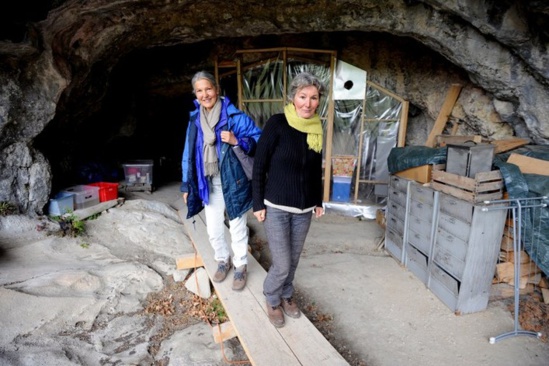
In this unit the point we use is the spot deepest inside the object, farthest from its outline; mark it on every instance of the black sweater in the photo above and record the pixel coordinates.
(286, 172)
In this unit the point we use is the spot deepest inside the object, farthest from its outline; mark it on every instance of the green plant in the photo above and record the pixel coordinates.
(85, 245)
(70, 225)
(7, 208)
(218, 310)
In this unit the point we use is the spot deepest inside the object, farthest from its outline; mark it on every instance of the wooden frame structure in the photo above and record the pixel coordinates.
(401, 139)
(286, 52)
(238, 68)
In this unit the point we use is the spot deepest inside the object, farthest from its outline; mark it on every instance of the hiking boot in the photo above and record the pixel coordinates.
(290, 308)
(276, 317)
(239, 280)
(222, 269)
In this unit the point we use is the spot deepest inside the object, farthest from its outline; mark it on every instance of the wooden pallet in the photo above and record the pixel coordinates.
(485, 186)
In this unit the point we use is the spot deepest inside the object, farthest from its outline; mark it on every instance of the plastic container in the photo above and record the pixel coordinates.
(61, 203)
(343, 165)
(341, 189)
(84, 196)
(138, 172)
(107, 191)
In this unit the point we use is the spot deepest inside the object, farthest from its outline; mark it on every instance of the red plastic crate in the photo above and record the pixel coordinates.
(107, 191)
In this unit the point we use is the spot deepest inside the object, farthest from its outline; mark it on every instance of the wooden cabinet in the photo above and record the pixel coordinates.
(419, 243)
(450, 244)
(396, 214)
(465, 253)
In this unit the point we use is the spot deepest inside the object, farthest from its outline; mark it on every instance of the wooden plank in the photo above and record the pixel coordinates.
(459, 181)
(529, 165)
(255, 336)
(509, 256)
(380, 218)
(523, 281)
(535, 279)
(443, 140)
(489, 186)
(297, 343)
(223, 332)
(508, 144)
(84, 213)
(189, 261)
(420, 174)
(545, 293)
(505, 272)
(507, 244)
(445, 111)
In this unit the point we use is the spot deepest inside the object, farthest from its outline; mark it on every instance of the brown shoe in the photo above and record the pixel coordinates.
(276, 317)
(290, 308)
(222, 269)
(240, 275)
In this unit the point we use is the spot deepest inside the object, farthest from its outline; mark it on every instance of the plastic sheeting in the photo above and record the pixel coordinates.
(402, 158)
(535, 222)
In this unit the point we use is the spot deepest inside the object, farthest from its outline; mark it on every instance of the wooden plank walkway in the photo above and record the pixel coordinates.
(297, 343)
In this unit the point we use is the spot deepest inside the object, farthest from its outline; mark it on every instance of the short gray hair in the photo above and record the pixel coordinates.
(303, 80)
(203, 75)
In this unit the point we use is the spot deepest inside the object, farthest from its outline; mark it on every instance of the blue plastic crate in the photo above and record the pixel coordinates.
(341, 189)
(61, 203)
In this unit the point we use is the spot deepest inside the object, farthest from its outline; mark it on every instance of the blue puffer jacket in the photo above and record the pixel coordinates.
(237, 189)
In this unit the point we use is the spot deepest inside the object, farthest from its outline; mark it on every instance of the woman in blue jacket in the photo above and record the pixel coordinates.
(213, 178)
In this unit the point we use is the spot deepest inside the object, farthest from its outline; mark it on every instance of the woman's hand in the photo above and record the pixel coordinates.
(229, 138)
(185, 195)
(260, 215)
(319, 211)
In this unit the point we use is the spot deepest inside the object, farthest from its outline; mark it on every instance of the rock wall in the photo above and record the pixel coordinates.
(60, 72)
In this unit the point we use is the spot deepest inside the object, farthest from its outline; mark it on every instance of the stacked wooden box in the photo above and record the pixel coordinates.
(530, 274)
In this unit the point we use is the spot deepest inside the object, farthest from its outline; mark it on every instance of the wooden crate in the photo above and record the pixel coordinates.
(485, 186)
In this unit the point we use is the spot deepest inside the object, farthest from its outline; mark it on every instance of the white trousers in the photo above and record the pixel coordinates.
(215, 225)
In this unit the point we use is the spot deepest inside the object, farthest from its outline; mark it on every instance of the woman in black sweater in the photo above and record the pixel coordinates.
(287, 189)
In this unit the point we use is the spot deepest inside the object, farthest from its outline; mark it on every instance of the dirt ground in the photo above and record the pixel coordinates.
(180, 308)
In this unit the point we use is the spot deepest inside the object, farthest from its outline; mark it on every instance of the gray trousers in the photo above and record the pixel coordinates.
(286, 233)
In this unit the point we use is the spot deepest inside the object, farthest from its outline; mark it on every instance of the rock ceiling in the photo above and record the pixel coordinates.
(65, 65)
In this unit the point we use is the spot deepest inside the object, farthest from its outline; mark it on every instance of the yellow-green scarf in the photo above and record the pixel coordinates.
(311, 126)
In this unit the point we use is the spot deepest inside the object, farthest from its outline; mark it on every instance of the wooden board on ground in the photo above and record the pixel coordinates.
(299, 342)
(528, 165)
(189, 261)
(223, 332)
(84, 213)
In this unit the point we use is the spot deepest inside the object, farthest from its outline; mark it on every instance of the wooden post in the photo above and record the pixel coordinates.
(445, 111)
